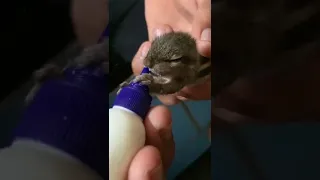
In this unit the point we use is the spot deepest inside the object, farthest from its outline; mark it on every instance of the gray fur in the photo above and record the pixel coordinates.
(174, 62)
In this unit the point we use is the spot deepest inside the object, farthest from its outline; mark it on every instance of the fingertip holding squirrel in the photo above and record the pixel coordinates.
(174, 62)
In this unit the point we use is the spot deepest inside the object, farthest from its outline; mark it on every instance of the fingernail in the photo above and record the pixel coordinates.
(206, 35)
(157, 173)
(144, 51)
(158, 32)
(181, 98)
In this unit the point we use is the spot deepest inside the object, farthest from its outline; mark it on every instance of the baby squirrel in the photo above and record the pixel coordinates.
(174, 62)
(74, 56)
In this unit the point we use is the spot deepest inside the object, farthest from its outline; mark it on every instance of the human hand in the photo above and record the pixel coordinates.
(181, 15)
(152, 161)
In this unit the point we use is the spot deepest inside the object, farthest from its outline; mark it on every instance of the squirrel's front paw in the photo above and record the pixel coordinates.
(145, 79)
(123, 84)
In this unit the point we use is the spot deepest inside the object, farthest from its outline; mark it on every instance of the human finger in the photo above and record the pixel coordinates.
(202, 19)
(196, 92)
(146, 165)
(158, 126)
(137, 62)
(204, 44)
(157, 31)
(169, 100)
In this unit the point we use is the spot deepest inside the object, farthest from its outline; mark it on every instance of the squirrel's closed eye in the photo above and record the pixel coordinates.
(176, 58)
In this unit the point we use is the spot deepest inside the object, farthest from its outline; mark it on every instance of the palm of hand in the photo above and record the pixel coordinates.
(178, 14)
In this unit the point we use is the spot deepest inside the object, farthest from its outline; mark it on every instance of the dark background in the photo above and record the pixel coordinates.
(31, 33)
(34, 31)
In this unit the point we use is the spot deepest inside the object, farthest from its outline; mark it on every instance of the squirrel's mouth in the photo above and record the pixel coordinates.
(153, 72)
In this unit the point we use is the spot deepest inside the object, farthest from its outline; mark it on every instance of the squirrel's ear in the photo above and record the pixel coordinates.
(175, 57)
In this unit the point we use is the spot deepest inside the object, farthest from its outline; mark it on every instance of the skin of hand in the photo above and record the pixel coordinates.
(152, 161)
(193, 17)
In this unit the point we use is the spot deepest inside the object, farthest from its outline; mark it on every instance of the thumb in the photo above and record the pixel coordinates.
(202, 18)
(201, 27)
(204, 44)
(137, 62)
(146, 165)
